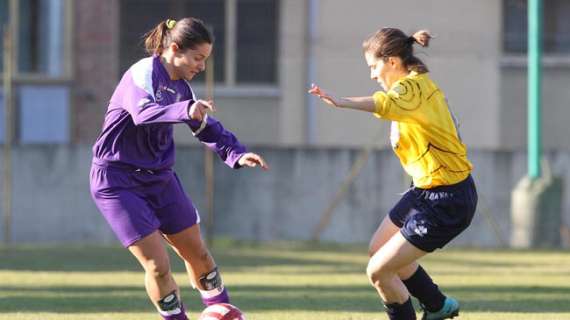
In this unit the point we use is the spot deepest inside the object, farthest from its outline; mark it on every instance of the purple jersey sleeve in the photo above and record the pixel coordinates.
(140, 103)
(221, 141)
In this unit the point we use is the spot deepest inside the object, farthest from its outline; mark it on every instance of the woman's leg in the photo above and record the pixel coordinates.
(382, 270)
(160, 285)
(202, 270)
(385, 264)
(385, 232)
(414, 277)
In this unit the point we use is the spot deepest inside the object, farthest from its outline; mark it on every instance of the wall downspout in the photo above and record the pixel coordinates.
(310, 121)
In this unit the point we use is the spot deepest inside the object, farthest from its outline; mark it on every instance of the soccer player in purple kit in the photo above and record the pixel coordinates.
(131, 179)
(443, 198)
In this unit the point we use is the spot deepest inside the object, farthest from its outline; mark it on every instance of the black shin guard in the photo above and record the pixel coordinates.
(170, 303)
(211, 280)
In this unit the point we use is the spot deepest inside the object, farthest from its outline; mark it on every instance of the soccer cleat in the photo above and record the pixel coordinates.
(449, 310)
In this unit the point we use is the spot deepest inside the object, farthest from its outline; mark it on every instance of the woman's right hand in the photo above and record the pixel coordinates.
(327, 98)
(199, 109)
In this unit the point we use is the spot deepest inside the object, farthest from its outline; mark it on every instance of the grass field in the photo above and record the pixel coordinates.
(278, 282)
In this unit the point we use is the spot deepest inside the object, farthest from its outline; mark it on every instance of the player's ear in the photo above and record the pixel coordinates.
(174, 47)
(394, 62)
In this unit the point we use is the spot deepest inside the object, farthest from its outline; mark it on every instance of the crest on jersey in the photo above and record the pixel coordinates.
(398, 89)
(159, 95)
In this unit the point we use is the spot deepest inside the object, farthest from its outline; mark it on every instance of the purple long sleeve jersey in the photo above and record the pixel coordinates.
(137, 130)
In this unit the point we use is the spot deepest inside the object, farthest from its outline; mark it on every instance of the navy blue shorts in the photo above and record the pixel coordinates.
(431, 218)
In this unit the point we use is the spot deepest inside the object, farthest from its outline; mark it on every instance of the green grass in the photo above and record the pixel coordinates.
(277, 282)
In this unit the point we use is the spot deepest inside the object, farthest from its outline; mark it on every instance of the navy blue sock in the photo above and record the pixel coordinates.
(403, 311)
(421, 286)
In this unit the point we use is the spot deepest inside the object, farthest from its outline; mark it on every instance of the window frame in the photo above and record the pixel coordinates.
(19, 79)
(67, 57)
(230, 87)
(514, 59)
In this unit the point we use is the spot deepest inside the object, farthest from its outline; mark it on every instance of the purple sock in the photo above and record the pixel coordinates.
(421, 286)
(179, 316)
(222, 297)
(403, 311)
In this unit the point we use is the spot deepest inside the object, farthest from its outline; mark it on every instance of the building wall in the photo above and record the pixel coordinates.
(485, 89)
(339, 67)
(555, 109)
(462, 58)
(96, 65)
(52, 203)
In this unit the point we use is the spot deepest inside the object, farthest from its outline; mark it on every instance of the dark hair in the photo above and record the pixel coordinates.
(392, 42)
(187, 33)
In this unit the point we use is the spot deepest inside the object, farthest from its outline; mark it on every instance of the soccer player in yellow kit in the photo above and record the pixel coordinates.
(442, 201)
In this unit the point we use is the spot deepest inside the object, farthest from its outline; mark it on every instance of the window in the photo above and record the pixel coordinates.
(256, 41)
(40, 40)
(245, 49)
(41, 76)
(556, 23)
(40, 37)
(3, 21)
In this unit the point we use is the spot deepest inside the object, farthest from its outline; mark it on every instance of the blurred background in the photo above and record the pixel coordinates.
(333, 176)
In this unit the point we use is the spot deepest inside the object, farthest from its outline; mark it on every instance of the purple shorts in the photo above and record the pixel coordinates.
(136, 202)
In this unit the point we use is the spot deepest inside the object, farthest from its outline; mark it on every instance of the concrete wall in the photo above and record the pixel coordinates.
(52, 202)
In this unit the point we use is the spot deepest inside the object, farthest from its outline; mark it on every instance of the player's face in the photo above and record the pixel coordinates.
(190, 62)
(383, 71)
(377, 69)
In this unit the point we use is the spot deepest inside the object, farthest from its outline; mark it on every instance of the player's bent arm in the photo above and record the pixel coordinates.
(211, 133)
(357, 103)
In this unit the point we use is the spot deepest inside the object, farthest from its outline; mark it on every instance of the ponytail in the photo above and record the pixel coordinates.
(422, 38)
(412, 62)
(154, 40)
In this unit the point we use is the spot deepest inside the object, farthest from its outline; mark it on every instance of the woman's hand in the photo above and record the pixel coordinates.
(199, 109)
(317, 91)
(252, 160)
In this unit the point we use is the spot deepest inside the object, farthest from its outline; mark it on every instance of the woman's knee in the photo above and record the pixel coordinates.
(157, 268)
(378, 272)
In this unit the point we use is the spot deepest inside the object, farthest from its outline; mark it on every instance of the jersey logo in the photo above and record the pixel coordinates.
(159, 95)
(420, 229)
(161, 91)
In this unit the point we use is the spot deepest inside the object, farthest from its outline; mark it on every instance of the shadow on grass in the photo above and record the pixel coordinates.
(98, 299)
(98, 259)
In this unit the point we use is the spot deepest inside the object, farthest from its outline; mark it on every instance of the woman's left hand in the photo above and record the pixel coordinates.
(199, 108)
(252, 160)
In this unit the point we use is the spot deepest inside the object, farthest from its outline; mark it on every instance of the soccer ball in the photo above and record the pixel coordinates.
(221, 311)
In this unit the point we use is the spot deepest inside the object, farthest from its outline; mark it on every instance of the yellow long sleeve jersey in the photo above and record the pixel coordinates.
(424, 132)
